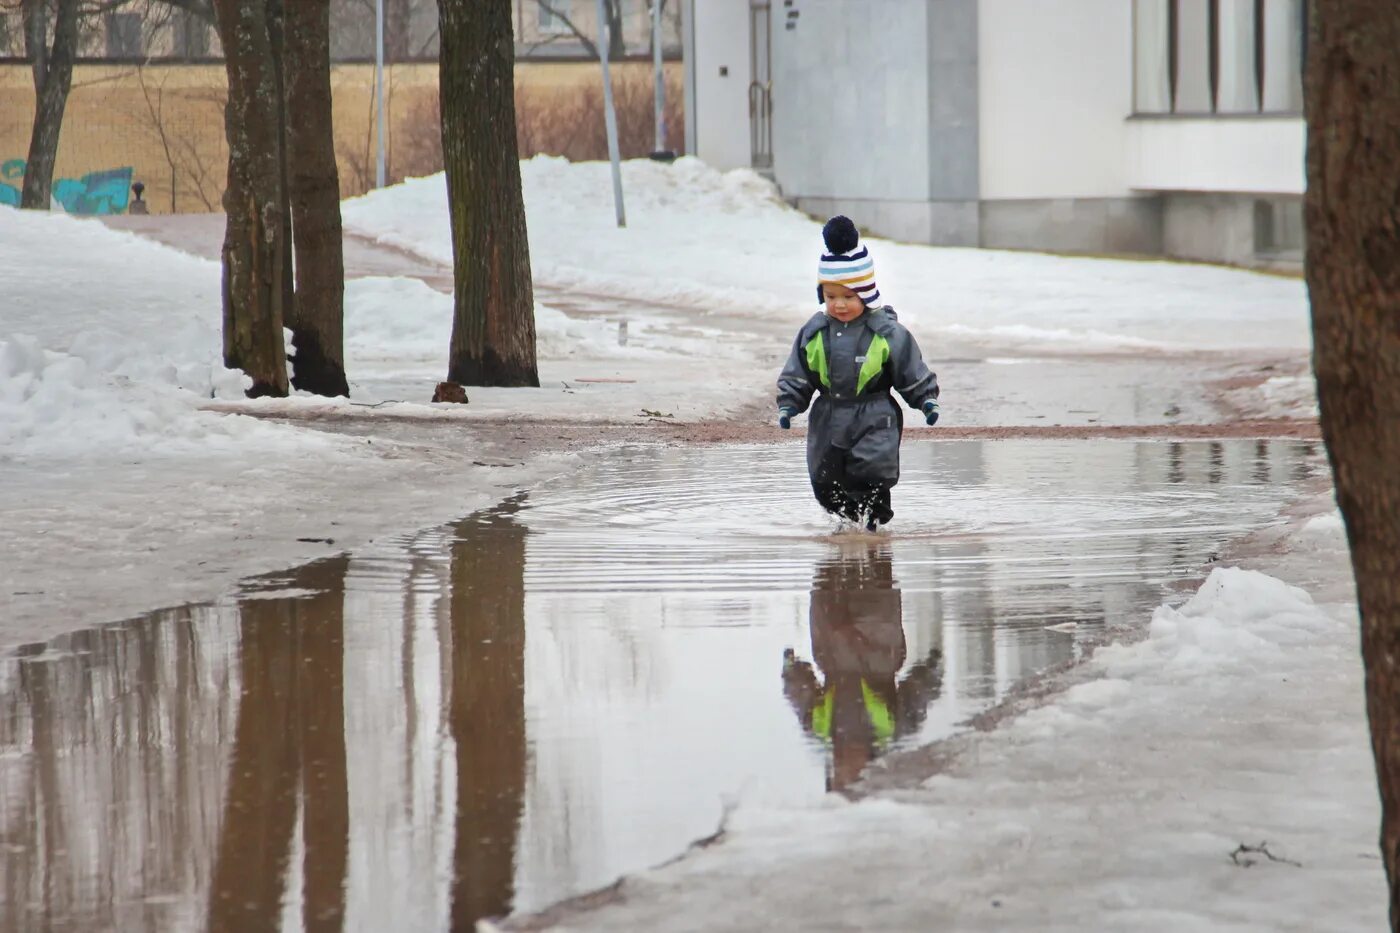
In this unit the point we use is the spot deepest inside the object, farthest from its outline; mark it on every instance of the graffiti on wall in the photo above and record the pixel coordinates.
(104, 192)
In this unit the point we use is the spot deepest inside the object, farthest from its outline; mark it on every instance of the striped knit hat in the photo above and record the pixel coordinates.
(846, 262)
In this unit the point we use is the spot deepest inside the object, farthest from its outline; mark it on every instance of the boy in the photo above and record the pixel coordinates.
(854, 352)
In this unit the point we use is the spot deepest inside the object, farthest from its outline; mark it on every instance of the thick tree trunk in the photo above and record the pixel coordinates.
(493, 326)
(318, 363)
(254, 255)
(1353, 273)
(487, 713)
(53, 77)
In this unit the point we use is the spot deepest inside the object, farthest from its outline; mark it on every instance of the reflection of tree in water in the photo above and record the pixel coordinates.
(487, 711)
(858, 703)
(289, 744)
(108, 740)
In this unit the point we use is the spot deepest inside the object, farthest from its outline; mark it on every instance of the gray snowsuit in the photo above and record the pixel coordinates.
(854, 430)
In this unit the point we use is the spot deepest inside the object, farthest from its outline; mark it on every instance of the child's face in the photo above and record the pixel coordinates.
(841, 303)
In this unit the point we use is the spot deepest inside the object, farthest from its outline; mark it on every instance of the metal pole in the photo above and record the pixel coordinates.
(379, 90)
(688, 68)
(656, 64)
(609, 114)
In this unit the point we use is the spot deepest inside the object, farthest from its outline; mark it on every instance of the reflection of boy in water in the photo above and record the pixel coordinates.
(858, 642)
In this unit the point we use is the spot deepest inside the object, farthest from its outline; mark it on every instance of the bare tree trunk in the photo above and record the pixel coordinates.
(1353, 273)
(318, 363)
(254, 255)
(493, 325)
(53, 77)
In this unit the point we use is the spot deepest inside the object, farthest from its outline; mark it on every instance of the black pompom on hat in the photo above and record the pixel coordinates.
(840, 234)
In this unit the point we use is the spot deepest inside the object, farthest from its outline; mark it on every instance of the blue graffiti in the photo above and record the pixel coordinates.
(104, 192)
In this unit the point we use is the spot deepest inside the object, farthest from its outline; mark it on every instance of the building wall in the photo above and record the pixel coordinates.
(875, 115)
(1055, 84)
(722, 76)
(1237, 154)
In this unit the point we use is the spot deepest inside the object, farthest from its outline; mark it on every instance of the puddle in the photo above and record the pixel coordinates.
(520, 706)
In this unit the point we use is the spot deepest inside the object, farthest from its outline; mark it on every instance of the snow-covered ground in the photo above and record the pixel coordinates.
(118, 452)
(131, 478)
(1215, 775)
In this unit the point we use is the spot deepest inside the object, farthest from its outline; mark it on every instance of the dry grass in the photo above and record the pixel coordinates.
(565, 122)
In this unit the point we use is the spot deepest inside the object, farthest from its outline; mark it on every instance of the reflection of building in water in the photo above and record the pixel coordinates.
(855, 699)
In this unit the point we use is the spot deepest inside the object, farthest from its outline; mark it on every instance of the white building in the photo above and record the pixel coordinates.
(1147, 126)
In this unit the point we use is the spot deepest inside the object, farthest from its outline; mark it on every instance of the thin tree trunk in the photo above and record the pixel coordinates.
(318, 363)
(1353, 273)
(254, 256)
(53, 77)
(493, 325)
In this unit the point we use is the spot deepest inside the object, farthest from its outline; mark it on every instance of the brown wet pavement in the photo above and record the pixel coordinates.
(521, 706)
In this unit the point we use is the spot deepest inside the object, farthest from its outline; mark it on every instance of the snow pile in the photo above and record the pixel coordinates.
(1237, 618)
(725, 241)
(110, 343)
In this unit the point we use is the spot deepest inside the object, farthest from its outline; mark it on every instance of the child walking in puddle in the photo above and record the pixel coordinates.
(851, 355)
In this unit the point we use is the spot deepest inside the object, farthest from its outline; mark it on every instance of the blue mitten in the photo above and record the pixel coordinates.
(785, 418)
(930, 412)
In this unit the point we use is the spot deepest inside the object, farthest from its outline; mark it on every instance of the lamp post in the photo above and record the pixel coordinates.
(610, 115)
(657, 66)
(379, 90)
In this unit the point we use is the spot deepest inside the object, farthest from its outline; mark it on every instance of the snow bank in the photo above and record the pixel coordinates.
(710, 240)
(109, 344)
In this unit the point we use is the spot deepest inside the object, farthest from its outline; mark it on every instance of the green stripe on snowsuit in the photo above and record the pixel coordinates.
(875, 359)
(876, 710)
(816, 360)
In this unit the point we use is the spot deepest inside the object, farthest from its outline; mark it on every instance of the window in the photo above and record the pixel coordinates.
(1199, 57)
(123, 35)
(552, 13)
(1283, 30)
(1193, 56)
(1152, 89)
(1278, 226)
(191, 36)
(1237, 84)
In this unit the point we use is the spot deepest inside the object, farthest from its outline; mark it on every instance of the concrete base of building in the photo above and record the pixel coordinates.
(1074, 225)
(1259, 231)
(1250, 230)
